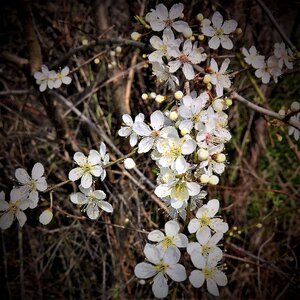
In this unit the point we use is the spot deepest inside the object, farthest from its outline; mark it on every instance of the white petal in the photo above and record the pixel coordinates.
(193, 246)
(203, 235)
(174, 65)
(6, 220)
(3, 205)
(21, 217)
(94, 157)
(144, 270)
(145, 145)
(214, 42)
(188, 71)
(172, 228)
(75, 174)
(141, 129)
(96, 170)
(105, 206)
(216, 238)
(37, 171)
(193, 188)
(160, 286)
(78, 198)
(162, 190)
(226, 42)
(161, 12)
(41, 184)
(86, 180)
(181, 240)
(133, 139)
(213, 207)
(176, 11)
(156, 42)
(33, 199)
(171, 255)
(214, 65)
(102, 150)
(197, 278)
(66, 80)
(188, 147)
(22, 175)
(218, 225)
(198, 259)
(2, 196)
(92, 211)
(221, 278)
(99, 194)
(176, 272)
(156, 236)
(212, 287)
(127, 120)
(46, 216)
(208, 31)
(193, 225)
(157, 120)
(217, 19)
(180, 26)
(124, 131)
(229, 26)
(224, 65)
(65, 71)
(180, 164)
(80, 158)
(152, 253)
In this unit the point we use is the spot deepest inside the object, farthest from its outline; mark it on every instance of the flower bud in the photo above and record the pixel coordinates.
(203, 154)
(96, 61)
(178, 95)
(129, 163)
(206, 79)
(239, 31)
(173, 115)
(160, 98)
(282, 112)
(209, 86)
(204, 178)
(213, 180)
(135, 36)
(218, 105)
(184, 131)
(85, 42)
(144, 56)
(220, 157)
(187, 33)
(112, 53)
(228, 102)
(118, 49)
(201, 37)
(199, 17)
(46, 216)
(144, 96)
(295, 106)
(153, 95)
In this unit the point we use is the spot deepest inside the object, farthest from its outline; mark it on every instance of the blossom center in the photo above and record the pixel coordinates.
(15, 206)
(206, 249)
(168, 22)
(219, 32)
(31, 185)
(204, 220)
(184, 58)
(167, 242)
(208, 272)
(86, 168)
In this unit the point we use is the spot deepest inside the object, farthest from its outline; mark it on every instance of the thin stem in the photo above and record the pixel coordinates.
(120, 159)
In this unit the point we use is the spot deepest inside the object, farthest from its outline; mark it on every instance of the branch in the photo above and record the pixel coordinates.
(262, 110)
(275, 23)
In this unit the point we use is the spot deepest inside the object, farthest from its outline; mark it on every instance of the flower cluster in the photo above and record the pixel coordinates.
(187, 143)
(295, 110)
(89, 169)
(52, 79)
(24, 195)
(271, 67)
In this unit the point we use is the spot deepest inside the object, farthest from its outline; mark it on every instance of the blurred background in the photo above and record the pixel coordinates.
(77, 258)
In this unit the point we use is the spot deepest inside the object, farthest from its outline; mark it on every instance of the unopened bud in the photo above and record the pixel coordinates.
(203, 154)
(144, 56)
(112, 53)
(220, 157)
(96, 61)
(201, 37)
(184, 131)
(204, 178)
(129, 163)
(228, 102)
(46, 216)
(160, 98)
(199, 17)
(118, 49)
(153, 95)
(213, 180)
(173, 115)
(178, 95)
(207, 79)
(187, 33)
(209, 86)
(239, 31)
(85, 42)
(114, 63)
(135, 36)
(144, 96)
(218, 105)
(282, 112)
(295, 106)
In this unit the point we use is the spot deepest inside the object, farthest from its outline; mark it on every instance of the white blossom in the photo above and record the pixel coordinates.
(292, 130)
(284, 55)
(62, 77)
(126, 131)
(160, 18)
(31, 185)
(163, 74)
(189, 55)
(13, 209)
(219, 78)
(46, 216)
(45, 78)
(253, 59)
(272, 69)
(218, 31)
(161, 264)
(91, 201)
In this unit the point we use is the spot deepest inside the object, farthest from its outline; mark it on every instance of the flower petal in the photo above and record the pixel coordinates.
(171, 255)
(193, 225)
(104, 205)
(144, 270)
(214, 42)
(197, 278)
(37, 171)
(203, 235)
(6, 220)
(212, 287)
(156, 236)
(86, 180)
(176, 272)
(75, 174)
(80, 158)
(160, 286)
(172, 228)
(217, 19)
(229, 26)
(22, 175)
(94, 157)
(21, 217)
(152, 253)
(41, 184)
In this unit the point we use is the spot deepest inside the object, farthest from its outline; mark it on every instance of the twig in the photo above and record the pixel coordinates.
(277, 26)
(262, 110)
(20, 239)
